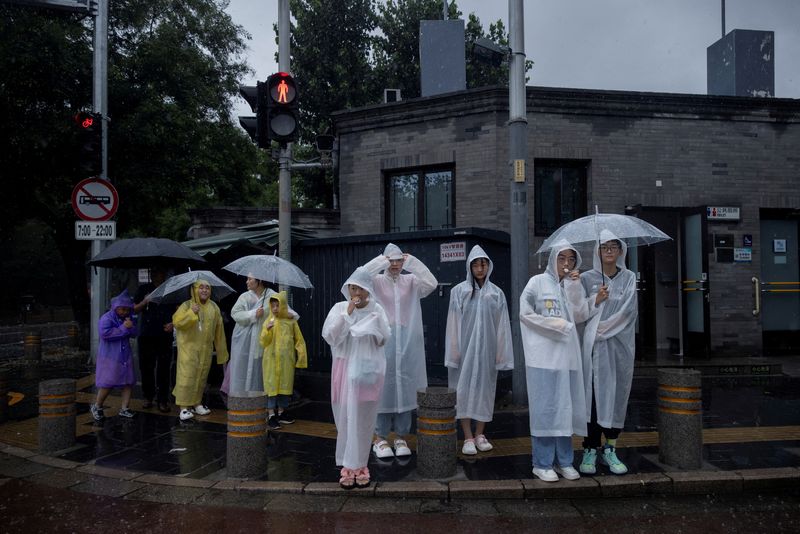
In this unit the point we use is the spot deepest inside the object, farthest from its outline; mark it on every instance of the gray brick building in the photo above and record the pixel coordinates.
(678, 161)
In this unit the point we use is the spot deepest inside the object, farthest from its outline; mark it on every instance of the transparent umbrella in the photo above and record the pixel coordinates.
(273, 269)
(586, 231)
(177, 288)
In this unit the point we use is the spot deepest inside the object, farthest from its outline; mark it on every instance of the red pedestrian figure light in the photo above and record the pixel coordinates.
(283, 92)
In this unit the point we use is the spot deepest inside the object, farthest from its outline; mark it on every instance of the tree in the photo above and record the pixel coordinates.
(173, 70)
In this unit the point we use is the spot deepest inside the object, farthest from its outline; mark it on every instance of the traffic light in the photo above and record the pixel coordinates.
(90, 139)
(256, 126)
(282, 106)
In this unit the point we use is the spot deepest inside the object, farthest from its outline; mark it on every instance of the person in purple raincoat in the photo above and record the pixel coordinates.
(114, 355)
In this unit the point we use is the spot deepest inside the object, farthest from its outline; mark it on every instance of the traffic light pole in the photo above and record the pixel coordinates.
(284, 174)
(99, 278)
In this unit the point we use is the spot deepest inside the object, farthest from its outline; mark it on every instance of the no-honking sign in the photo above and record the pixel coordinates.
(95, 199)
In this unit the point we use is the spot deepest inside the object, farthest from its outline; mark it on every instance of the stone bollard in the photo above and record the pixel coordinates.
(33, 346)
(56, 414)
(247, 435)
(680, 424)
(436, 432)
(73, 335)
(3, 395)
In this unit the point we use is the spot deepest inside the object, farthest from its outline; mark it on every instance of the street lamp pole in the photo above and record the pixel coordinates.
(285, 158)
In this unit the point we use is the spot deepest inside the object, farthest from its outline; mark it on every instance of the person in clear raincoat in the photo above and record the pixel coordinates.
(478, 344)
(284, 349)
(356, 330)
(199, 331)
(400, 296)
(610, 312)
(554, 364)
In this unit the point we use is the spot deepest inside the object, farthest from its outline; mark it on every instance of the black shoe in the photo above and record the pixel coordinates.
(285, 419)
(273, 423)
(163, 407)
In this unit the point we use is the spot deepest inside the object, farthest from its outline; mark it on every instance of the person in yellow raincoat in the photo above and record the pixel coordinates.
(199, 330)
(284, 349)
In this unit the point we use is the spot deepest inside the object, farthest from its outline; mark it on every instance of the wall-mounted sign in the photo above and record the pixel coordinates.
(779, 246)
(747, 240)
(743, 255)
(453, 251)
(722, 213)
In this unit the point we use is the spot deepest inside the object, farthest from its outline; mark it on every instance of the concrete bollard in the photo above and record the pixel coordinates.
(247, 435)
(680, 423)
(33, 346)
(436, 432)
(3, 395)
(73, 335)
(56, 414)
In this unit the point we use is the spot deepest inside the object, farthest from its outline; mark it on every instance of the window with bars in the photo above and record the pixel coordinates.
(560, 193)
(420, 200)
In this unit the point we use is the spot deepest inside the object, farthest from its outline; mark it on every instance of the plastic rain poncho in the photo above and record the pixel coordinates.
(405, 350)
(244, 369)
(553, 359)
(478, 342)
(357, 372)
(284, 349)
(114, 367)
(198, 334)
(609, 337)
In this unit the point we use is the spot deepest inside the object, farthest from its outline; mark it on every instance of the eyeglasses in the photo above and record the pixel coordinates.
(609, 248)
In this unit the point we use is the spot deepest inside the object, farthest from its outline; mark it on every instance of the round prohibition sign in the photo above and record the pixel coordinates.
(95, 199)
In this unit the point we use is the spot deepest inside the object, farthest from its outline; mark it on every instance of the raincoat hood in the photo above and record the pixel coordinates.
(605, 237)
(196, 285)
(123, 300)
(360, 278)
(474, 254)
(283, 305)
(558, 247)
(393, 252)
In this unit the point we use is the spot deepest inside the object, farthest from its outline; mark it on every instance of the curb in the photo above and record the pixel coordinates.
(631, 485)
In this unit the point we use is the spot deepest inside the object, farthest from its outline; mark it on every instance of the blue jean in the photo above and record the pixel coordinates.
(278, 401)
(551, 449)
(400, 422)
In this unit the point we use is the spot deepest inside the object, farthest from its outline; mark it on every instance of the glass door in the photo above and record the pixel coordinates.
(694, 283)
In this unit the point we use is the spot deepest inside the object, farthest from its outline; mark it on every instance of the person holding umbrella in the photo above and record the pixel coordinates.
(610, 313)
(199, 330)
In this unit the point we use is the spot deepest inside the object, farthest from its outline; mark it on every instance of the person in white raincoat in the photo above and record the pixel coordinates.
(610, 312)
(400, 295)
(356, 331)
(553, 364)
(478, 345)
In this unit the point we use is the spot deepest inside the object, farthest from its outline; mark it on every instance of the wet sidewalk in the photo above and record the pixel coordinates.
(751, 441)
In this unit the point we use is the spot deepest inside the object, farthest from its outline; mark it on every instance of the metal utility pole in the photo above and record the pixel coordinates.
(285, 158)
(517, 152)
(99, 278)
(723, 17)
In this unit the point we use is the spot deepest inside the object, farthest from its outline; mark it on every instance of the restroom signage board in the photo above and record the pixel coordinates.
(722, 213)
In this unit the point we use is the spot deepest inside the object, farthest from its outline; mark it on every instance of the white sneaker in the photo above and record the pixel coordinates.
(483, 444)
(401, 448)
(547, 475)
(185, 415)
(568, 472)
(382, 449)
(201, 410)
(469, 447)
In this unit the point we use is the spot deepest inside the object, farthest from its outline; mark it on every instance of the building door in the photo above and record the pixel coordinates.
(694, 283)
(780, 281)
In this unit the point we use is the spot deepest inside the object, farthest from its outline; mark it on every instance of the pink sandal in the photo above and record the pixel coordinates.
(362, 477)
(347, 478)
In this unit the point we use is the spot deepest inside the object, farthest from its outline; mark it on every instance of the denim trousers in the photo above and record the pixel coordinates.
(552, 450)
(400, 422)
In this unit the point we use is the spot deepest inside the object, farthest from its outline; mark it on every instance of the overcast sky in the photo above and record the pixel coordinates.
(634, 45)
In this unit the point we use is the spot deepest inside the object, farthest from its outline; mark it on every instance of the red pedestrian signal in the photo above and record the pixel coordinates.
(90, 141)
(283, 114)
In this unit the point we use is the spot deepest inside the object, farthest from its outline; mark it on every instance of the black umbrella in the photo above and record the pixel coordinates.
(144, 252)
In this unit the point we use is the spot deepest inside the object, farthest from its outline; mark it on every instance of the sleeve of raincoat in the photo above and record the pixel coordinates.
(266, 335)
(452, 349)
(220, 343)
(426, 282)
(240, 312)
(112, 332)
(376, 265)
(337, 325)
(300, 347)
(376, 324)
(504, 359)
(552, 327)
(581, 306)
(616, 322)
(184, 318)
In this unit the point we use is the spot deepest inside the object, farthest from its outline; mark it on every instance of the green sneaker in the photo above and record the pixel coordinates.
(589, 463)
(609, 458)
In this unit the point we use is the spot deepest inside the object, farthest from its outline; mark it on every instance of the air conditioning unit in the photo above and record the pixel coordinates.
(391, 95)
